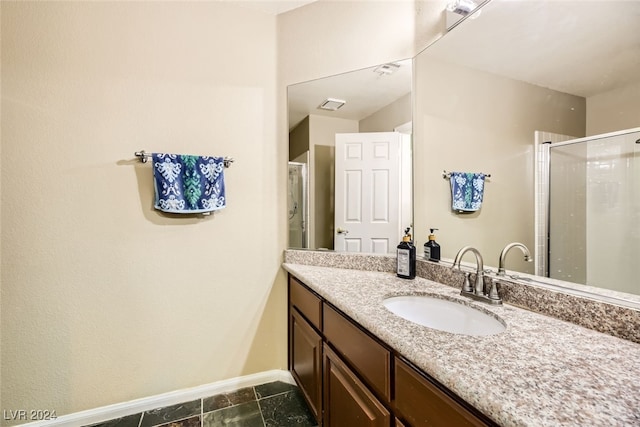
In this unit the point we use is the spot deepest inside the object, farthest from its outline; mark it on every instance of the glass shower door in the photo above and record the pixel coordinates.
(594, 211)
(297, 205)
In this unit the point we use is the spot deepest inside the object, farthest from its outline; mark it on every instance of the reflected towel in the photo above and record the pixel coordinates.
(467, 191)
(188, 184)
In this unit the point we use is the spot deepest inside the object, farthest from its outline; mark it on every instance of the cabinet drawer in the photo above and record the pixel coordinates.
(421, 403)
(306, 302)
(348, 402)
(366, 356)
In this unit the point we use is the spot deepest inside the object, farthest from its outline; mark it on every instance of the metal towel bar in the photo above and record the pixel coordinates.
(447, 175)
(144, 156)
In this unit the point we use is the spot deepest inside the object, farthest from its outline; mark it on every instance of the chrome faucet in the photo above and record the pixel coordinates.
(503, 255)
(477, 292)
(479, 287)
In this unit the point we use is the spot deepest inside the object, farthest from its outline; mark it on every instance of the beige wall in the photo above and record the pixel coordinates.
(104, 299)
(299, 139)
(614, 110)
(94, 310)
(388, 118)
(473, 121)
(335, 36)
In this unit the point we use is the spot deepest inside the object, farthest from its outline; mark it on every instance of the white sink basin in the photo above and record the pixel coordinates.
(444, 315)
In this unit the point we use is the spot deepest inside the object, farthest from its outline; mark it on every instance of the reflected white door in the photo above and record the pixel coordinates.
(368, 192)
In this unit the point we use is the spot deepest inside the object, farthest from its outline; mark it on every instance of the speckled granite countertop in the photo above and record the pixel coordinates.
(539, 372)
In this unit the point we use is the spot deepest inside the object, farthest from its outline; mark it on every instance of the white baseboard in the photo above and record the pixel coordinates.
(120, 410)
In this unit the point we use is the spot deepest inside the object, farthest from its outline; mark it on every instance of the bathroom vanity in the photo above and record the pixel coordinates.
(359, 364)
(337, 362)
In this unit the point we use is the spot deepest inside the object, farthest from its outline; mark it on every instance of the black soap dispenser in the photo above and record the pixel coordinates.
(431, 248)
(406, 257)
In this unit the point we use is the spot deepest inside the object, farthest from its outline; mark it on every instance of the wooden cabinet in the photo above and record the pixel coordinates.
(347, 400)
(307, 303)
(306, 361)
(419, 402)
(370, 359)
(305, 344)
(352, 379)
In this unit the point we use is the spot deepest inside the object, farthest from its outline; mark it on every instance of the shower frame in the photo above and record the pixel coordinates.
(543, 143)
(304, 202)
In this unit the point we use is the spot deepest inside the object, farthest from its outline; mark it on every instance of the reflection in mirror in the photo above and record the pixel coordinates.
(598, 225)
(350, 160)
(493, 90)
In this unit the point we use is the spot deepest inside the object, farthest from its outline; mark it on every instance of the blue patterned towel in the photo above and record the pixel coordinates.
(188, 184)
(466, 191)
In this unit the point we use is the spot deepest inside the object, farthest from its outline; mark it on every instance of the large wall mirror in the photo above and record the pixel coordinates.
(487, 96)
(349, 185)
(493, 95)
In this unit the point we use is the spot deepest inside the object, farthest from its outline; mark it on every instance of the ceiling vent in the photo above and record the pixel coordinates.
(386, 69)
(331, 104)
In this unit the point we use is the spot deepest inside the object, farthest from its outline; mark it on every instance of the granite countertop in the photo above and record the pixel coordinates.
(540, 371)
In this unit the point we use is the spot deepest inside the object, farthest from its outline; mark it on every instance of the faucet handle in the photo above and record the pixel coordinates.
(466, 286)
(493, 292)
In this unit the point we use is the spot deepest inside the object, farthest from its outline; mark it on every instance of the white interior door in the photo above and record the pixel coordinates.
(368, 192)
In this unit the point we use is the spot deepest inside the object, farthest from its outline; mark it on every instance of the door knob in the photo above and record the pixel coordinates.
(342, 231)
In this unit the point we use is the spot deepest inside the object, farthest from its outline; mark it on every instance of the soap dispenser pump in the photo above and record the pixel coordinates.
(431, 248)
(406, 257)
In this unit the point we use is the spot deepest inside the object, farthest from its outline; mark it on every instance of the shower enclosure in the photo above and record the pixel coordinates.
(593, 210)
(297, 205)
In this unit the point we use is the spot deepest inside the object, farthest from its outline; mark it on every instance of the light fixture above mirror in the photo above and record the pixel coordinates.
(457, 10)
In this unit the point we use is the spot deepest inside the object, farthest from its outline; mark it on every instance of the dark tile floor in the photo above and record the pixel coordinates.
(275, 404)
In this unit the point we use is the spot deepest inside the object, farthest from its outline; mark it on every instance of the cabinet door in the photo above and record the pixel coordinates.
(305, 358)
(364, 354)
(420, 403)
(347, 402)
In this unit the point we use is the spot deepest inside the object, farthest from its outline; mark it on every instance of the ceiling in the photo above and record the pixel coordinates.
(589, 42)
(577, 47)
(272, 7)
(365, 92)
